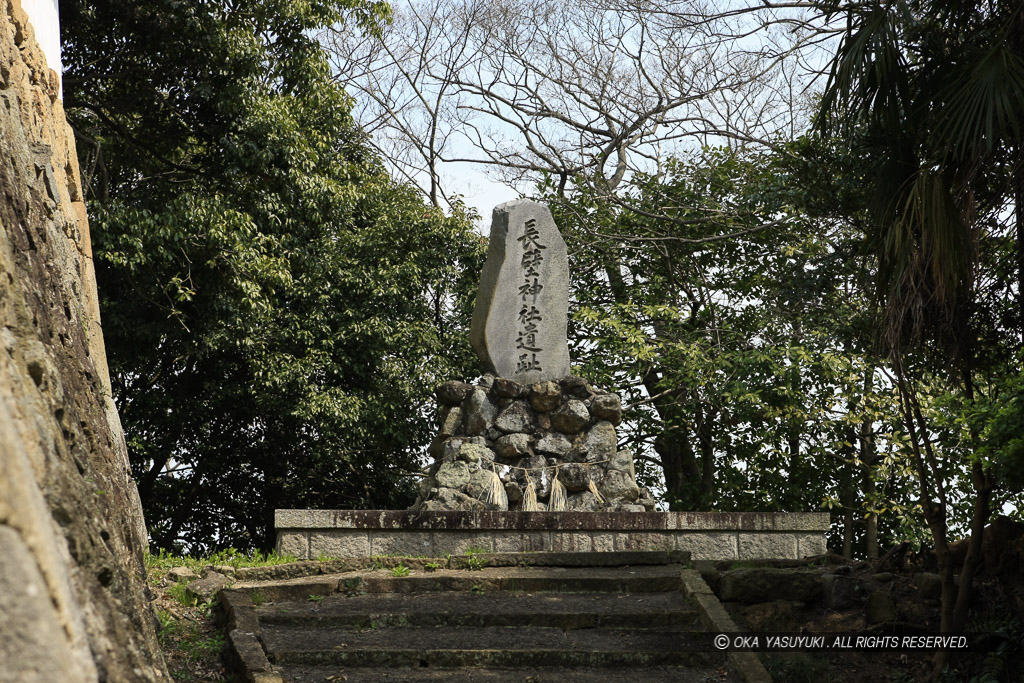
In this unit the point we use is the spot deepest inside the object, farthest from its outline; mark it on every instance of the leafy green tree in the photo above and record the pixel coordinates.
(937, 87)
(739, 330)
(276, 308)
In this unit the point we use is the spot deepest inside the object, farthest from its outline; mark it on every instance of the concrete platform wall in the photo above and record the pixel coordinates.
(312, 534)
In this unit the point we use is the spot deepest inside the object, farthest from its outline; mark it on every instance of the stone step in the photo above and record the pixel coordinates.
(631, 579)
(553, 610)
(576, 559)
(309, 569)
(489, 647)
(530, 619)
(640, 579)
(651, 674)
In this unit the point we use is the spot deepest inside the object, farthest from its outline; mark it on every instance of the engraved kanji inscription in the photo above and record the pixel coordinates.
(519, 323)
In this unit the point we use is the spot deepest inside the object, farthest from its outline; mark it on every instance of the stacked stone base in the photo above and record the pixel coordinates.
(530, 437)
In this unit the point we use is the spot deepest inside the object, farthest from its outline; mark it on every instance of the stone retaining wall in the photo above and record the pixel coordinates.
(73, 603)
(310, 534)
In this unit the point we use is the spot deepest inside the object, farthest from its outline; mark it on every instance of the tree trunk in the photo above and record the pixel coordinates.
(1018, 196)
(871, 533)
(794, 429)
(935, 514)
(682, 475)
(706, 443)
(674, 446)
(848, 516)
(847, 493)
(869, 456)
(979, 518)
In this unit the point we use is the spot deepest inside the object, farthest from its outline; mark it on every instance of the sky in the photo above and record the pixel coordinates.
(479, 191)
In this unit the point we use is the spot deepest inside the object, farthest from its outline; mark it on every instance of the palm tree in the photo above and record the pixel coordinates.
(935, 91)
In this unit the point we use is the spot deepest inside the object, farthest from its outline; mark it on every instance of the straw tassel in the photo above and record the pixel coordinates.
(557, 501)
(495, 493)
(529, 503)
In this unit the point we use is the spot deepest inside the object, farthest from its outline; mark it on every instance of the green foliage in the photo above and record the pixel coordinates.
(997, 418)
(731, 299)
(399, 571)
(163, 560)
(276, 309)
(933, 91)
(474, 563)
(352, 587)
(272, 300)
(725, 298)
(191, 644)
(164, 618)
(179, 593)
(190, 640)
(998, 635)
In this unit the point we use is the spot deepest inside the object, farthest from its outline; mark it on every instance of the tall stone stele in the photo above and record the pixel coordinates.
(522, 306)
(506, 441)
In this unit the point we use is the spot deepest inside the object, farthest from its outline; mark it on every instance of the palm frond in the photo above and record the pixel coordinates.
(868, 76)
(983, 104)
(925, 261)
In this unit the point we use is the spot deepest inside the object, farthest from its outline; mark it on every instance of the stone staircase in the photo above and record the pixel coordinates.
(532, 617)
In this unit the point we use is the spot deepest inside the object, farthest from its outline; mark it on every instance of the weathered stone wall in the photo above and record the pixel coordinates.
(72, 584)
(309, 534)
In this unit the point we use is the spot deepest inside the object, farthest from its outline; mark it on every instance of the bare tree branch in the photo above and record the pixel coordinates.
(592, 91)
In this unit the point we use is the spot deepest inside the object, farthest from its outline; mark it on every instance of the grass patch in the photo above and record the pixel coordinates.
(191, 640)
(188, 634)
(798, 667)
(747, 564)
(258, 597)
(230, 557)
(179, 593)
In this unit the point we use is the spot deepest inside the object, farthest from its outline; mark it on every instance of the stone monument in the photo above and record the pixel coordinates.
(529, 436)
(522, 305)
